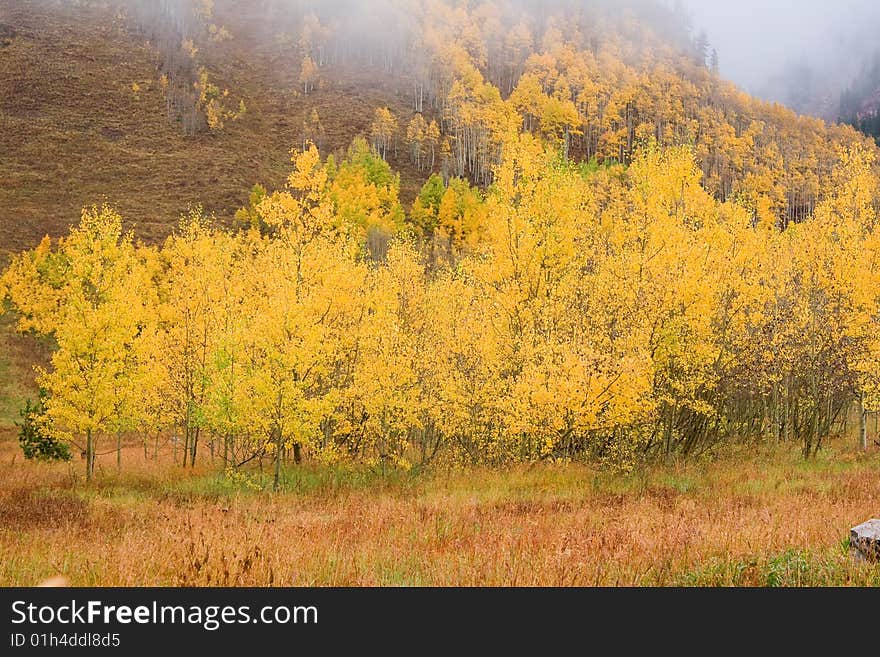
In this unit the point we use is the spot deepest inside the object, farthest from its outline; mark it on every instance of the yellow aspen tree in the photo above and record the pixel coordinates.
(309, 74)
(415, 138)
(386, 381)
(96, 318)
(197, 260)
(293, 345)
(383, 131)
(448, 219)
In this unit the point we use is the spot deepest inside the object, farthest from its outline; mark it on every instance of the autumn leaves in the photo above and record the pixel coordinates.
(611, 314)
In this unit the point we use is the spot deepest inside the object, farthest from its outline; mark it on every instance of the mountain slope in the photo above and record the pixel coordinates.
(84, 113)
(74, 132)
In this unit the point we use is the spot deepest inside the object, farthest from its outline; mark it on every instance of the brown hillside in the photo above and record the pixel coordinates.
(74, 132)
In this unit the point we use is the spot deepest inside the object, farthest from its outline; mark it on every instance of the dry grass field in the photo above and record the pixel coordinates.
(743, 520)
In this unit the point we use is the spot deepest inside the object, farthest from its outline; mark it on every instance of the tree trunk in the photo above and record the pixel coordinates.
(775, 415)
(118, 451)
(863, 424)
(195, 444)
(277, 481)
(90, 456)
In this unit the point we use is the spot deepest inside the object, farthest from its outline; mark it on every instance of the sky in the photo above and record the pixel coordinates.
(758, 40)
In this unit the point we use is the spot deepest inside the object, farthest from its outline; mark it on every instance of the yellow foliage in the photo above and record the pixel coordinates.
(610, 312)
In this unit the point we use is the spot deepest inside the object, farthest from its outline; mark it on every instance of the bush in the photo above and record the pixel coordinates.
(35, 441)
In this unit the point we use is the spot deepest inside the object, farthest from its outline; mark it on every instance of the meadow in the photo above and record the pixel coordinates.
(748, 517)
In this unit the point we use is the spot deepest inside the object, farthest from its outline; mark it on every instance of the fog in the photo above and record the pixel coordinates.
(799, 52)
(802, 53)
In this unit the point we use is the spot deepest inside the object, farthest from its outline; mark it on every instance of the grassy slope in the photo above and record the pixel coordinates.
(747, 519)
(72, 131)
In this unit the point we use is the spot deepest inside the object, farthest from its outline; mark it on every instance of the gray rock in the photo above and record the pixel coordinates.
(865, 538)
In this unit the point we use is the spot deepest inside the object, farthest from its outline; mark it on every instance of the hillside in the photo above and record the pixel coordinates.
(73, 132)
(83, 112)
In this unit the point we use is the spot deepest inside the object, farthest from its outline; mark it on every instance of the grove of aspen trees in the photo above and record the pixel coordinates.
(616, 255)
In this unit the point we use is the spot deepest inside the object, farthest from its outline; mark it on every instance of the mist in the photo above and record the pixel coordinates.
(802, 53)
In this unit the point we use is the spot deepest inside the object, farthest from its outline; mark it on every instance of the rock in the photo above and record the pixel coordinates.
(865, 539)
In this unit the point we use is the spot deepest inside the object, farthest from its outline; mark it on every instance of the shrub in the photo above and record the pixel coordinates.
(36, 442)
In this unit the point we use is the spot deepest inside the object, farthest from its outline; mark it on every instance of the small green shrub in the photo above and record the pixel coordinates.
(35, 441)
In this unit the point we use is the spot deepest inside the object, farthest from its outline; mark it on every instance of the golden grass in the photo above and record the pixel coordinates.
(742, 520)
